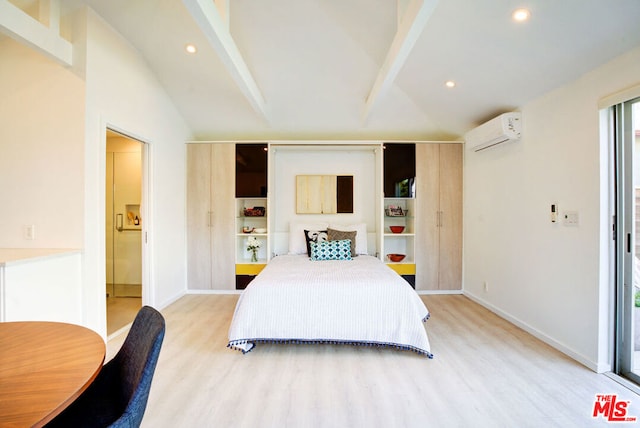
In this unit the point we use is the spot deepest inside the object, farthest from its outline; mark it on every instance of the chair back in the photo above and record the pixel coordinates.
(137, 359)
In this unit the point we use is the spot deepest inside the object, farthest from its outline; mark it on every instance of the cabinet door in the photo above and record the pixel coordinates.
(222, 218)
(427, 231)
(198, 216)
(450, 201)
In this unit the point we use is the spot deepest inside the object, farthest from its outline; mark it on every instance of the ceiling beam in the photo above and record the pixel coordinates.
(223, 9)
(401, 7)
(414, 19)
(21, 27)
(49, 14)
(212, 24)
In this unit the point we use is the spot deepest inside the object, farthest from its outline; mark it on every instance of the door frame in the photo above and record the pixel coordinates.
(145, 211)
(624, 260)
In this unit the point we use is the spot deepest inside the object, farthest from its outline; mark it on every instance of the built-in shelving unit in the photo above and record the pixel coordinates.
(399, 208)
(251, 210)
(402, 242)
(251, 224)
(428, 194)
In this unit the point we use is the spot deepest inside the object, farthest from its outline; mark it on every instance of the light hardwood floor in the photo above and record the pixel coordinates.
(486, 373)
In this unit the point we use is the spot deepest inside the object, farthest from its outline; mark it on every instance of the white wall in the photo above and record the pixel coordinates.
(42, 146)
(288, 162)
(124, 94)
(52, 166)
(548, 278)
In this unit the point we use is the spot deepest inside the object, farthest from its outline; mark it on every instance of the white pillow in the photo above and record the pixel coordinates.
(361, 236)
(297, 241)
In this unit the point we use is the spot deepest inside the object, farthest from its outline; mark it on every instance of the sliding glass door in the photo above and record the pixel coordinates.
(627, 146)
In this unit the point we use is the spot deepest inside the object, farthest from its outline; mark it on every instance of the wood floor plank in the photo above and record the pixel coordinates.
(486, 373)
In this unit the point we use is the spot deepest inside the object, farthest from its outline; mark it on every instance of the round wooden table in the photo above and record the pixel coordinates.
(44, 367)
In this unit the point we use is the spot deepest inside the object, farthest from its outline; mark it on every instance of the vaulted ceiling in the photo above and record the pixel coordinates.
(330, 69)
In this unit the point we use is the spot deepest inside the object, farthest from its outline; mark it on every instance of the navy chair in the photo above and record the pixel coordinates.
(118, 396)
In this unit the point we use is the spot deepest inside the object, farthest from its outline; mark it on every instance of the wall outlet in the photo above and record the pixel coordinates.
(571, 218)
(29, 232)
(485, 286)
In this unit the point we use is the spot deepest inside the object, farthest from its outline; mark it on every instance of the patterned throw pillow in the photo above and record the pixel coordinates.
(331, 250)
(314, 236)
(338, 235)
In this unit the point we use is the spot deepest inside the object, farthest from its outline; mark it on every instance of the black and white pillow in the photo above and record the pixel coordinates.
(314, 236)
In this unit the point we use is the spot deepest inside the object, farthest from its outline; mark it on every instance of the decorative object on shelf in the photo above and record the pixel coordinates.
(259, 230)
(254, 212)
(395, 211)
(396, 229)
(253, 245)
(247, 229)
(396, 257)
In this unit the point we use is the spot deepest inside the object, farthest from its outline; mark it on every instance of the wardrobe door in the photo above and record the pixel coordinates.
(198, 216)
(450, 202)
(211, 216)
(427, 216)
(223, 216)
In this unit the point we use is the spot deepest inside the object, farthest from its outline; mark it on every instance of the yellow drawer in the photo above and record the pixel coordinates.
(249, 268)
(403, 268)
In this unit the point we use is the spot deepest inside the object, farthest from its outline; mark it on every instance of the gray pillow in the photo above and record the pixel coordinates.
(339, 235)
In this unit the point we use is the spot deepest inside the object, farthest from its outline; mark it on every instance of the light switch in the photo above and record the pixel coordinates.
(554, 213)
(29, 232)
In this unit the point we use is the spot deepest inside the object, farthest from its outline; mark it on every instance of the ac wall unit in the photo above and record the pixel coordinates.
(502, 129)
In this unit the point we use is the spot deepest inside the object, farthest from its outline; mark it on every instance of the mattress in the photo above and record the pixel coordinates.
(357, 302)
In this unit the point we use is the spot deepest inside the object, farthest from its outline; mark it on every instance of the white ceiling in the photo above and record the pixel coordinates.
(315, 62)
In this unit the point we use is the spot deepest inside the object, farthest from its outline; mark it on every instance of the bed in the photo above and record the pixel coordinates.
(358, 302)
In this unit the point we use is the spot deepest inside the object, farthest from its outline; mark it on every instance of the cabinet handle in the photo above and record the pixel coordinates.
(441, 218)
(119, 222)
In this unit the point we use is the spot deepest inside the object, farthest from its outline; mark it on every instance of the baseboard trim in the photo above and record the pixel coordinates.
(170, 300)
(214, 292)
(426, 292)
(120, 331)
(592, 365)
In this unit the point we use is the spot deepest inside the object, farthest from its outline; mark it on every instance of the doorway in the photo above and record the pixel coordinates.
(626, 131)
(123, 229)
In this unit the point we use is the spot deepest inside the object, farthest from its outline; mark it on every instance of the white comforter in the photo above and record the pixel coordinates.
(360, 302)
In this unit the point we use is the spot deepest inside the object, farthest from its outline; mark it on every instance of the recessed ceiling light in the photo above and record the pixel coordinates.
(450, 84)
(521, 15)
(190, 48)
